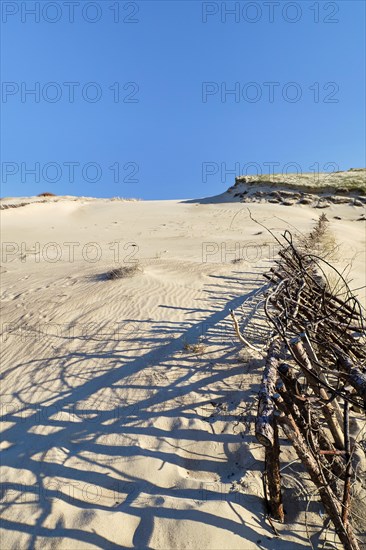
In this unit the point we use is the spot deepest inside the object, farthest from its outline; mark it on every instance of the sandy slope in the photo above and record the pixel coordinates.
(114, 434)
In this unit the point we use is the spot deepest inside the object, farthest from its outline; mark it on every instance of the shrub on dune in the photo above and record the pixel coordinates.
(123, 272)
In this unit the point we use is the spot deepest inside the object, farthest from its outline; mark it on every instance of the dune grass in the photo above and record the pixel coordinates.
(123, 272)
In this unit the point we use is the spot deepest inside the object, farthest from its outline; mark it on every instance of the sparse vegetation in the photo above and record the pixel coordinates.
(46, 194)
(123, 272)
(124, 199)
(320, 240)
(197, 348)
(349, 181)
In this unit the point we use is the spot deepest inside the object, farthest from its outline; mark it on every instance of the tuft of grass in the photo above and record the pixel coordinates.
(123, 272)
(46, 194)
(198, 348)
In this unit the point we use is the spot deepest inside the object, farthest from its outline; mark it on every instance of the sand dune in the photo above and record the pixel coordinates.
(116, 433)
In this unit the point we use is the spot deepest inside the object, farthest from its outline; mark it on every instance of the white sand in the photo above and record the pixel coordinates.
(110, 438)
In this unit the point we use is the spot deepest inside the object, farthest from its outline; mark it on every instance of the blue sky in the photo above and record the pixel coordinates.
(147, 112)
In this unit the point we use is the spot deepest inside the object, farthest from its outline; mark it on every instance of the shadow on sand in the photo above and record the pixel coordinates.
(74, 423)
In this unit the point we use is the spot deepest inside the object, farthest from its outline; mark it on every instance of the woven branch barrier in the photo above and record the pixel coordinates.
(314, 376)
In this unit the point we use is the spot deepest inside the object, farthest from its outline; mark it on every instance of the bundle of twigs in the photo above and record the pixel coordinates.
(314, 377)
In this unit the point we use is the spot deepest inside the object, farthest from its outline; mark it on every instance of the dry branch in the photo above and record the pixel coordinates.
(264, 423)
(333, 508)
(273, 476)
(355, 377)
(266, 430)
(328, 410)
(324, 335)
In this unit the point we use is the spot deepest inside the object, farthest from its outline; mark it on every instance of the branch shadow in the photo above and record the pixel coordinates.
(97, 425)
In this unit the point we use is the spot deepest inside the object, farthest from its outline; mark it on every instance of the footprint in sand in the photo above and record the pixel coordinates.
(8, 296)
(62, 298)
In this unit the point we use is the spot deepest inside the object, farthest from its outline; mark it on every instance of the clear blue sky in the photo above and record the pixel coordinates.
(171, 135)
